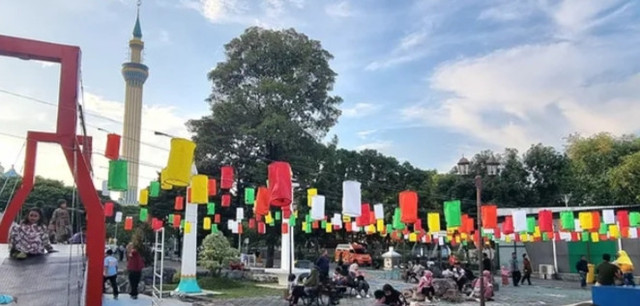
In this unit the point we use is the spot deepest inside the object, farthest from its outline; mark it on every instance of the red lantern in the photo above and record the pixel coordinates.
(545, 221)
(286, 212)
(408, 206)
(216, 218)
(315, 225)
(108, 209)
(556, 236)
(280, 187)
(262, 201)
(262, 228)
(489, 216)
(252, 223)
(189, 195)
(285, 228)
(226, 200)
(347, 227)
(179, 203)
(574, 236)
(128, 223)
(212, 187)
(595, 221)
(623, 218)
(365, 216)
(226, 177)
(240, 228)
(176, 220)
(507, 225)
(418, 225)
(112, 152)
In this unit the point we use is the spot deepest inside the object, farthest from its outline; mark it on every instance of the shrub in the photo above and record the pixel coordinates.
(216, 253)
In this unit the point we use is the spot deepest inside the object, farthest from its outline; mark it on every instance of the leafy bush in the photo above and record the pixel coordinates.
(216, 253)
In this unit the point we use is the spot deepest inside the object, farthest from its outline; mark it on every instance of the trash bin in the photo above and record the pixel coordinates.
(591, 275)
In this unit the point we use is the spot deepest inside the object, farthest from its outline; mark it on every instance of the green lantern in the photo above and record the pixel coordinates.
(278, 215)
(531, 224)
(545, 236)
(323, 224)
(118, 175)
(154, 189)
(604, 229)
(452, 213)
(170, 220)
(211, 208)
(214, 228)
(585, 236)
(292, 220)
(567, 221)
(397, 223)
(249, 196)
(634, 219)
(144, 214)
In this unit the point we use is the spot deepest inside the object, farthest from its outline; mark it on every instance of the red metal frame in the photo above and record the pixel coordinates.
(76, 154)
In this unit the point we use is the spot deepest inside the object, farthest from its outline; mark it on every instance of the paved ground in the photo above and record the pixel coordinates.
(542, 292)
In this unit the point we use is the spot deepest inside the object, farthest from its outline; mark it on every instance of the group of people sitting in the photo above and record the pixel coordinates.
(466, 282)
(342, 280)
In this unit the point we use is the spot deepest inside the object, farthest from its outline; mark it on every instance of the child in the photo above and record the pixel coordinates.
(111, 273)
(30, 237)
(425, 286)
(379, 297)
(505, 275)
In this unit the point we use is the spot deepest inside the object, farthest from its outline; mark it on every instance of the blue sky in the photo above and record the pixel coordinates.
(424, 81)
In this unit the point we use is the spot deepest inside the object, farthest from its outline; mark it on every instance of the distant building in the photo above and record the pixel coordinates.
(9, 174)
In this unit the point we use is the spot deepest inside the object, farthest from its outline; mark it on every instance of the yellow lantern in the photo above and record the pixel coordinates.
(163, 185)
(178, 171)
(413, 237)
(187, 227)
(329, 227)
(595, 237)
(371, 229)
(614, 232)
(144, 197)
(206, 224)
(433, 222)
(268, 218)
(507, 239)
(380, 225)
(200, 189)
(310, 193)
(346, 219)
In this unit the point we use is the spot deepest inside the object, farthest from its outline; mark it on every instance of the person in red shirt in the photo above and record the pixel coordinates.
(135, 264)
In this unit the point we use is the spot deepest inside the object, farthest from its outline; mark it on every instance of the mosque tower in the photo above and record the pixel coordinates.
(135, 74)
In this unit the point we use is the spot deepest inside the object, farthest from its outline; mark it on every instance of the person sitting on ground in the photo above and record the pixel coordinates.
(339, 278)
(360, 284)
(488, 286)
(607, 272)
(79, 237)
(459, 276)
(392, 296)
(30, 237)
(379, 298)
(425, 286)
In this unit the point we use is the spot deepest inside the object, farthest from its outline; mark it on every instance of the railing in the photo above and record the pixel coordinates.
(158, 250)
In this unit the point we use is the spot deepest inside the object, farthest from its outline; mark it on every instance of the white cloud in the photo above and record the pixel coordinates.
(25, 115)
(164, 38)
(382, 146)
(365, 134)
(360, 110)
(575, 17)
(269, 13)
(510, 10)
(340, 9)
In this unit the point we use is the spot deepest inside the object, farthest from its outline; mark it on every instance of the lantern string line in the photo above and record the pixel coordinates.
(88, 113)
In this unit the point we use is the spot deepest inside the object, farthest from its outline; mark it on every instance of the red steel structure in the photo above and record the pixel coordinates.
(76, 149)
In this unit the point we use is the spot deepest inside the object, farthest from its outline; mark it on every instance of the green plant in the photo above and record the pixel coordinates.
(217, 253)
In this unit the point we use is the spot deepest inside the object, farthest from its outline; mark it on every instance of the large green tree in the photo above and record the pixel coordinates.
(270, 101)
(549, 174)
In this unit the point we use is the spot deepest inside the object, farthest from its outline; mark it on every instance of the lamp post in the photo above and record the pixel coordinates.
(492, 169)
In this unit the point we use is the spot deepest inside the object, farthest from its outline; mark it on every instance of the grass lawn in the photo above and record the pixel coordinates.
(231, 289)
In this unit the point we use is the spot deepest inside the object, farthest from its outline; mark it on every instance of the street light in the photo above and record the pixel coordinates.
(492, 170)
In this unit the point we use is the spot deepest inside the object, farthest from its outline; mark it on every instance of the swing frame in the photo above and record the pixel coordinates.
(76, 149)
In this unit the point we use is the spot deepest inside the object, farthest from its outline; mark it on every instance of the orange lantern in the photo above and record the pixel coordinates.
(595, 221)
(408, 206)
(112, 152)
(262, 201)
(226, 177)
(280, 187)
(179, 203)
(212, 187)
(128, 223)
(108, 209)
(489, 216)
(176, 220)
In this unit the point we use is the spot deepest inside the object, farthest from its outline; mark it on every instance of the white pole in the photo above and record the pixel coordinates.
(115, 238)
(188, 282)
(619, 237)
(555, 257)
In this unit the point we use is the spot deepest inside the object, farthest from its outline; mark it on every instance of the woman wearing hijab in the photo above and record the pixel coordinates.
(488, 286)
(425, 286)
(626, 266)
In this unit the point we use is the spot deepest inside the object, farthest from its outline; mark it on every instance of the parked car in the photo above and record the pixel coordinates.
(351, 253)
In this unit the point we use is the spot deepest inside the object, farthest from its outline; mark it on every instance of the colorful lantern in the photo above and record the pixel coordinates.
(206, 223)
(112, 151)
(262, 228)
(408, 206)
(118, 175)
(252, 223)
(284, 228)
(118, 217)
(249, 196)
(378, 211)
(262, 201)
(310, 193)
(128, 223)
(397, 223)
(545, 221)
(189, 195)
(164, 186)
(507, 225)
(144, 214)
(108, 209)
(200, 189)
(567, 220)
(351, 199)
(187, 227)
(179, 203)
(226, 200)
(216, 218)
(317, 207)
(240, 213)
(452, 213)
(278, 216)
(519, 221)
(608, 216)
(489, 216)
(531, 224)
(177, 220)
(585, 220)
(179, 166)
(105, 188)
(211, 209)
(365, 217)
(226, 177)
(144, 197)
(212, 187)
(595, 221)
(634, 219)
(433, 222)
(214, 228)
(280, 186)
(154, 189)
(623, 218)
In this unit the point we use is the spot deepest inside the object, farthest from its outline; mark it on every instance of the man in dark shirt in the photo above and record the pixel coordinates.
(486, 262)
(583, 268)
(607, 272)
(323, 266)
